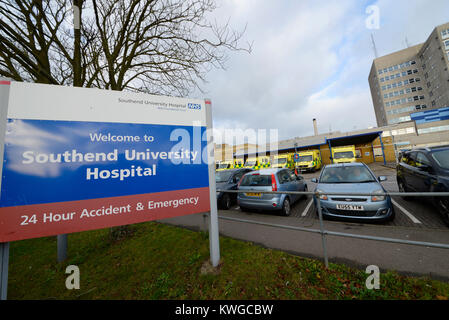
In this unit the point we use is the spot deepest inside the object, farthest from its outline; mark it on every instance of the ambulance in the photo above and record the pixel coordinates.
(251, 163)
(283, 161)
(344, 154)
(264, 162)
(238, 163)
(225, 165)
(309, 160)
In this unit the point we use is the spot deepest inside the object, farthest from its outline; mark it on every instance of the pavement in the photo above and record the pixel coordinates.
(405, 259)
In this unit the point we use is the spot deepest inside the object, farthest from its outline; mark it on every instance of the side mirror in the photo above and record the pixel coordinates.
(314, 180)
(382, 178)
(235, 180)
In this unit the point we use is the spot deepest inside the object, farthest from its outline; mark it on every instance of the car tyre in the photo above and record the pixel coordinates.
(393, 215)
(403, 188)
(226, 202)
(443, 208)
(286, 207)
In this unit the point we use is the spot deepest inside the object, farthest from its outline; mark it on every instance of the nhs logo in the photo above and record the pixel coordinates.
(194, 106)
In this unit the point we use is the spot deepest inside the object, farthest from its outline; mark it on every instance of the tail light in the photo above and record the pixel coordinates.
(274, 186)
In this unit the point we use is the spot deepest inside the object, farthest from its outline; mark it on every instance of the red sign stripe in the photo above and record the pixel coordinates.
(43, 220)
(5, 82)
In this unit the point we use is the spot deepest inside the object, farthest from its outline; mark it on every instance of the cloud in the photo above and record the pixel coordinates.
(310, 60)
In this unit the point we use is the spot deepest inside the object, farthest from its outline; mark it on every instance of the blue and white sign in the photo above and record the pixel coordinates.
(78, 159)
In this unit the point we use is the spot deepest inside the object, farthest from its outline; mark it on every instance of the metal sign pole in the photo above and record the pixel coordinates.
(4, 262)
(4, 247)
(62, 247)
(214, 241)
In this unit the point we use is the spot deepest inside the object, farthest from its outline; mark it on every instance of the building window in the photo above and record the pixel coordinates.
(433, 129)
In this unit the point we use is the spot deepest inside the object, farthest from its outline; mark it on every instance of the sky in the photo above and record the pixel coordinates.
(310, 59)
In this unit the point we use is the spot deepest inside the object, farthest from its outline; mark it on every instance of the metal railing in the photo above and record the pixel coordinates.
(324, 232)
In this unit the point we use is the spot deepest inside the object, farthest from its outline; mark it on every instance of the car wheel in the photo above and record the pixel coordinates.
(393, 215)
(286, 208)
(226, 202)
(443, 209)
(403, 188)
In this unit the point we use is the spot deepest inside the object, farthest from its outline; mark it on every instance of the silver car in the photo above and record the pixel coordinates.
(279, 179)
(353, 178)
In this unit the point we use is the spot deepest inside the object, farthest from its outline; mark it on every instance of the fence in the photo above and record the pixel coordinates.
(324, 232)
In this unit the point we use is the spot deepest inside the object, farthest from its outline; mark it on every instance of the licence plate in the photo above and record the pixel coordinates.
(252, 194)
(349, 207)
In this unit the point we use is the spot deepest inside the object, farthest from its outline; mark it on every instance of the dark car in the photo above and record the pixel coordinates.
(426, 170)
(228, 180)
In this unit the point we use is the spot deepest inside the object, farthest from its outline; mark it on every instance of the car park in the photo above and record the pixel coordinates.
(275, 179)
(426, 170)
(228, 180)
(352, 178)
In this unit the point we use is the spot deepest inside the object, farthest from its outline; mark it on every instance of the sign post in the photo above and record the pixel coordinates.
(4, 246)
(78, 159)
(214, 241)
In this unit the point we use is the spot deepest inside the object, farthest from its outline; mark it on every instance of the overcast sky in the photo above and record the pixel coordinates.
(310, 59)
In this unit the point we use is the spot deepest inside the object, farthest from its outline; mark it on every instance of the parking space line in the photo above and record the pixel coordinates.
(304, 213)
(408, 214)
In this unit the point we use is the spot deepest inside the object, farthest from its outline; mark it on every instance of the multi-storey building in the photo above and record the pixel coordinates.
(410, 90)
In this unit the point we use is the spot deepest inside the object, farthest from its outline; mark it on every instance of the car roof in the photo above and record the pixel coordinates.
(432, 148)
(231, 170)
(268, 171)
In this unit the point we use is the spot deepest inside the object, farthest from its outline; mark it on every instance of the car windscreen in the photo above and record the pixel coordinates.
(442, 158)
(305, 158)
(280, 161)
(256, 180)
(223, 166)
(343, 155)
(250, 163)
(223, 176)
(347, 174)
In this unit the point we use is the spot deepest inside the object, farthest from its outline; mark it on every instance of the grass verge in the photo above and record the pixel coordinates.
(165, 262)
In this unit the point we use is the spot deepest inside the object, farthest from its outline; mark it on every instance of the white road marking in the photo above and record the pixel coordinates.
(307, 208)
(408, 214)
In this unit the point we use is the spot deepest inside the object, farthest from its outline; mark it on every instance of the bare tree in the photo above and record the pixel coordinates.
(154, 46)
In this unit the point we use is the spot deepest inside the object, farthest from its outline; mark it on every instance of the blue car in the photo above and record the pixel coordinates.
(279, 179)
(353, 178)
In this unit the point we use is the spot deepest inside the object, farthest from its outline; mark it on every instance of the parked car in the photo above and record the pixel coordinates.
(426, 170)
(276, 179)
(353, 178)
(228, 180)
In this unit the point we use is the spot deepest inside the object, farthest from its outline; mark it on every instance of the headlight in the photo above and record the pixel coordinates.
(322, 196)
(376, 197)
